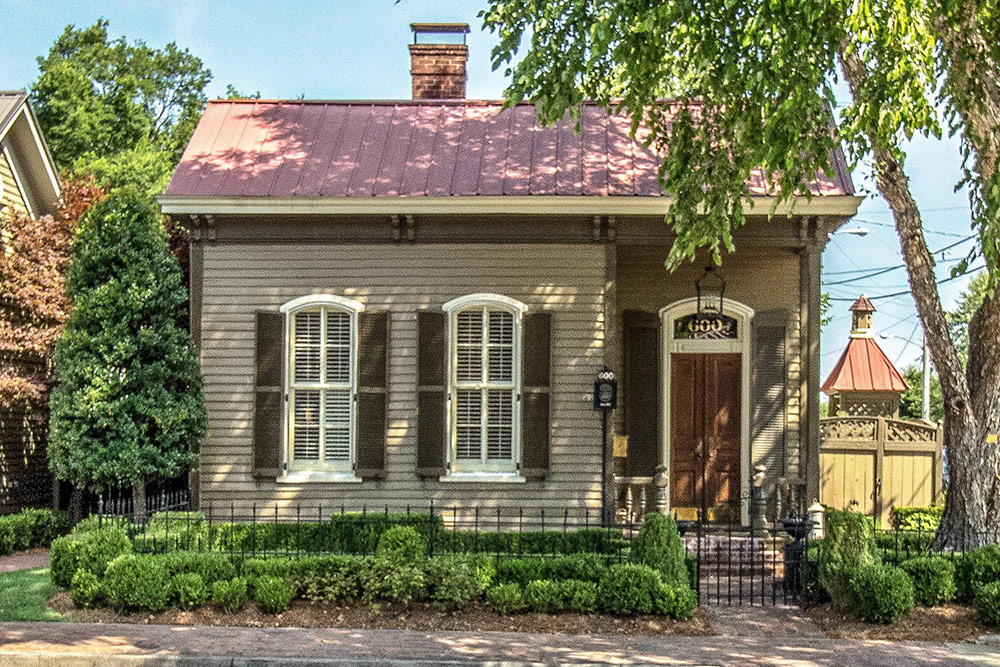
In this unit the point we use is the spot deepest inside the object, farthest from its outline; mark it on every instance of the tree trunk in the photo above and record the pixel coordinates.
(972, 503)
(139, 502)
(76, 505)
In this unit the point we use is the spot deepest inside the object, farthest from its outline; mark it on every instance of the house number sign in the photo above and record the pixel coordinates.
(705, 327)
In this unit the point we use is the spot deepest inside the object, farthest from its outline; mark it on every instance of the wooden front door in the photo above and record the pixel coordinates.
(705, 434)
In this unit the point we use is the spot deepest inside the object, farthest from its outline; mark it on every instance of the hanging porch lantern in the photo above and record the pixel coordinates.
(710, 288)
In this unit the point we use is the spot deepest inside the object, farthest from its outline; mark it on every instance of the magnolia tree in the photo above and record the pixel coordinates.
(753, 83)
(128, 404)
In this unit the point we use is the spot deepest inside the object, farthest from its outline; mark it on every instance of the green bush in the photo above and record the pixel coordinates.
(64, 559)
(506, 598)
(848, 547)
(230, 595)
(691, 562)
(975, 569)
(274, 595)
(675, 602)
(188, 590)
(175, 521)
(95, 522)
(85, 590)
(329, 578)
(659, 545)
(383, 579)
(210, 566)
(933, 579)
(402, 545)
(583, 567)
(544, 596)
(629, 589)
(881, 593)
(987, 601)
(455, 580)
(579, 596)
(549, 542)
(137, 582)
(898, 546)
(30, 528)
(812, 588)
(922, 519)
(102, 546)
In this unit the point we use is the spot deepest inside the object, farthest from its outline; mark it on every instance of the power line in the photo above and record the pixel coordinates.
(905, 292)
(895, 266)
(887, 269)
(892, 226)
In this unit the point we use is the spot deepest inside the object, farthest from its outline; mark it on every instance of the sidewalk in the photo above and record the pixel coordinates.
(111, 645)
(25, 560)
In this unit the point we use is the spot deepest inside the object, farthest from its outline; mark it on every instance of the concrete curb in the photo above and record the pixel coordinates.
(68, 659)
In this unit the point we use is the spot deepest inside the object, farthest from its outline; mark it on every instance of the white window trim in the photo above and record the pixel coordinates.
(453, 308)
(319, 474)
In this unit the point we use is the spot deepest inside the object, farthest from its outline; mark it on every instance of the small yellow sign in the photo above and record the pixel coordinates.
(992, 438)
(621, 446)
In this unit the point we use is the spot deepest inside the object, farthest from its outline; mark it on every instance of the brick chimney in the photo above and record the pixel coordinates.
(437, 60)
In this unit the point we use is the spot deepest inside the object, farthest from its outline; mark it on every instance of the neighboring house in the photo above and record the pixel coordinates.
(28, 185)
(28, 179)
(400, 302)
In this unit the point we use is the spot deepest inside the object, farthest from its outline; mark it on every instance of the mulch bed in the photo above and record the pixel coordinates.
(948, 623)
(425, 617)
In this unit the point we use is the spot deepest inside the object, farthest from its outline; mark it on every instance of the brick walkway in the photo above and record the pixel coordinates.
(112, 645)
(25, 560)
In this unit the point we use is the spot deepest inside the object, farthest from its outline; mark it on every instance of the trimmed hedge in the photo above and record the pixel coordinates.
(31, 528)
(976, 569)
(188, 590)
(880, 593)
(849, 546)
(137, 582)
(506, 598)
(629, 589)
(987, 601)
(933, 579)
(274, 595)
(551, 542)
(923, 519)
(230, 595)
(90, 551)
(522, 571)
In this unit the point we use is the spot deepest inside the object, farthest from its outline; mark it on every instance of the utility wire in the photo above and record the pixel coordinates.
(887, 269)
(905, 292)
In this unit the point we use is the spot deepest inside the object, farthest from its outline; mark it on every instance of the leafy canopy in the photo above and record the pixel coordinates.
(114, 107)
(729, 87)
(128, 406)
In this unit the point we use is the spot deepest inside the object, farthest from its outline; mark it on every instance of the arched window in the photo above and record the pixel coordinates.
(484, 383)
(321, 382)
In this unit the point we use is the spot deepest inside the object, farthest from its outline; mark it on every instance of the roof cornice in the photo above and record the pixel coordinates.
(831, 205)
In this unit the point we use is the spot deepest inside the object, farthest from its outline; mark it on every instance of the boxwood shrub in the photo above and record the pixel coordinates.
(188, 590)
(455, 580)
(659, 545)
(849, 546)
(137, 582)
(933, 579)
(629, 589)
(582, 567)
(579, 596)
(230, 595)
(975, 569)
(675, 602)
(881, 593)
(402, 545)
(506, 598)
(86, 590)
(30, 528)
(923, 519)
(91, 551)
(274, 595)
(544, 596)
(210, 566)
(987, 601)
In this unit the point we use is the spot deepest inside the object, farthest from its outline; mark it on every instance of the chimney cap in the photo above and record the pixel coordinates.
(453, 29)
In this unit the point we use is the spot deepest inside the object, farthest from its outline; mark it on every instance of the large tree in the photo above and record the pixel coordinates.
(123, 111)
(128, 405)
(753, 82)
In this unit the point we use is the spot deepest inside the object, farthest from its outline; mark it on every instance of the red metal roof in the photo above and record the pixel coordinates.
(862, 305)
(410, 148)
(864, 367)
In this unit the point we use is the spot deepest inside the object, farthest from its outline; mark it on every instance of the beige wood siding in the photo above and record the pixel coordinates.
(762, 278)
(11, 195)
(239, 279)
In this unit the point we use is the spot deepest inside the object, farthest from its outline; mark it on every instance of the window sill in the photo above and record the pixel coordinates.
(320, 477)
(484, 477)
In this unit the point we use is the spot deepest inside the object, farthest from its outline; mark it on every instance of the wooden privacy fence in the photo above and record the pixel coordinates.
(877, 463)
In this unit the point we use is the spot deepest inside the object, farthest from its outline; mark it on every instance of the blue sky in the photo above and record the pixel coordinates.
(357, 49)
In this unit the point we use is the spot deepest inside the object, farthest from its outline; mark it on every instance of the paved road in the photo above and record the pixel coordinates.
(110, 645)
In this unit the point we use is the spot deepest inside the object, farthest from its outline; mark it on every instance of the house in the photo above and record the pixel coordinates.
(28, 180)
(400, 302)
(28, 185)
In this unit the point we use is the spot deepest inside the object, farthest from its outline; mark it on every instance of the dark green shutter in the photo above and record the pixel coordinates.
(431, 390)
(641, 391)
(269, 393)
(373, 342)
(768, 371)
(536, 341)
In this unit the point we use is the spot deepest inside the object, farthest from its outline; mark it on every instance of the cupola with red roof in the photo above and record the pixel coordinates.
(864, 381)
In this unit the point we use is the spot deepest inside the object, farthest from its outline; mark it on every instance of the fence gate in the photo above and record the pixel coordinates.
(762, 566)
(876, 463)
